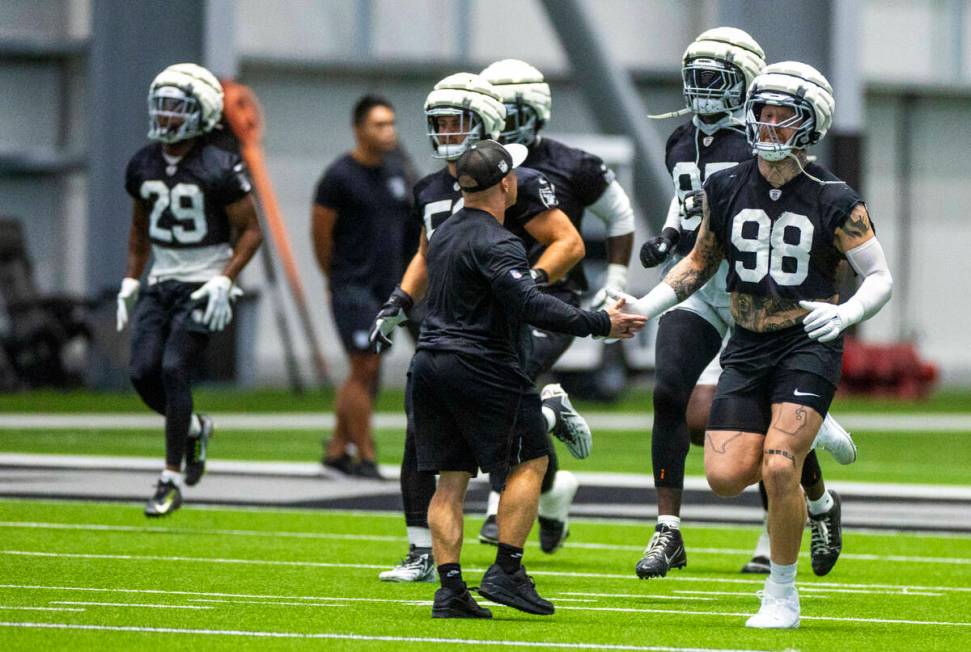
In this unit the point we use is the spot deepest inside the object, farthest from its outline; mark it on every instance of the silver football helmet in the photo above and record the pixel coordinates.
(184, 101)
(526, 96)
(717, 68)
(462, 107)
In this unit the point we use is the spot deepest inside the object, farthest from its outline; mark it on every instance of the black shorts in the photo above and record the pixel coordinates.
(543, 348)
(760, 369)
(168, 306)
(354, 308)
(464, 424)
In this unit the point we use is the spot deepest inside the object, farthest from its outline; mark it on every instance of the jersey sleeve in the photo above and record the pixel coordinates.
(234, 183)
(330, 192)
(133, 178)
(591, 176)
(718, 198)
(535, 195)
(839, 201)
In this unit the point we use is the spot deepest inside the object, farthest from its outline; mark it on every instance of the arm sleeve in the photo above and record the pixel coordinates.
(507, 269)
(614, 209)
(874, 292)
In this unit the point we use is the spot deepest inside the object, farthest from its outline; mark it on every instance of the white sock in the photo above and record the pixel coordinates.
(673, 522)
(492, 507)
(822, 505)
(782, 579)
(762, 547)
(420, 537)
(550, 417)
(195, 426)
(171, 476)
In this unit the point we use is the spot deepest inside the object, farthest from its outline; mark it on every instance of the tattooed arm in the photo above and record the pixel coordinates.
(855, 231)
(697, 267)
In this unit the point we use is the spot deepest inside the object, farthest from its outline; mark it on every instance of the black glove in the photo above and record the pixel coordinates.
(693, 204)
(656, 250)
(393, 312)
(541, 278)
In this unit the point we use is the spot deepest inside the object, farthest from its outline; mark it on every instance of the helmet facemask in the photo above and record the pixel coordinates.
(174, 114)
(713, 87)
(469, 129)
(764, 137)
(522, 124)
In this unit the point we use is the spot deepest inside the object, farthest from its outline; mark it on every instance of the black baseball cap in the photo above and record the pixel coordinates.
(485, 164)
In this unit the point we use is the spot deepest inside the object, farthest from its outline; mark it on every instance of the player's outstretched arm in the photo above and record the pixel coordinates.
(856, 239)
(564, 246)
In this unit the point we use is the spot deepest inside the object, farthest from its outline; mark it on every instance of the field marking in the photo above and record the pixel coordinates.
(363, 637)
(744, 594)
(4, 607)
(902, 589)
(633, 595)
(96, 527)
(268, 602)
(128, 604)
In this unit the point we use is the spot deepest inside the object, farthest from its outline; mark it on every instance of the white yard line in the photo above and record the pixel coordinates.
(635, 595)
(897, 422)
(363, 637)
(9, 608)
(327, 536)
(128, 604)
(275, 603)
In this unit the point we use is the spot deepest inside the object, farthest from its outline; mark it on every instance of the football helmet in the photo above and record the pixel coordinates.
(717, 68)
(526, 96)
(795, 85)
(476, 104)
(184, 101)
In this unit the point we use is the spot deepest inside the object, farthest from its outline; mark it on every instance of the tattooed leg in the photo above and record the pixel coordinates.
(732, 460)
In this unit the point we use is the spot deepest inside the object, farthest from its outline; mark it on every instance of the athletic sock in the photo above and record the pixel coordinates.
(420, 537)
(509, 558)
(822, 505)
(762, 547)
(782, 579)
(550, 418)
(451, 577)
(195, 426)
(492, 507)
(171, 476)
(673, 522)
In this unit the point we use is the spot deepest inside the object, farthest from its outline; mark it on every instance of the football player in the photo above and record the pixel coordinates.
(582, 182)
(461, 110)
(717, 68)
(192, 210)
(783, 225)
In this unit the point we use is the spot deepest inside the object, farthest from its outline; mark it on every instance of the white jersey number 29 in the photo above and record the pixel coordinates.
(770, 247)
(186, 202)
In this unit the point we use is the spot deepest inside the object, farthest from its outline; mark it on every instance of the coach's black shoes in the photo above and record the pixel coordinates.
(195, 453)
(452, 604)
(664, 552)
(827, 537)
(341, 463)
(757, 565)
(166, 500)
(367, 469)
(489, 533)
(517, 591)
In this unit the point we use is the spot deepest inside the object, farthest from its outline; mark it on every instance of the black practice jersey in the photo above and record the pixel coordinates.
(372, 222)
(579, 179)
(779, 242)
(186, 205)
(693, 153)
(480, 293)
(438, 195)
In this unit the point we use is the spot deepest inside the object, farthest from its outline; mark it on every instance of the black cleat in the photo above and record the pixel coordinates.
(342, 464)
(166, 500)
(367, 469)
(827, 537)
(517, 591)
(489, 533)
(664, 552)
(757, 565)
(449, 604)
(552, 534)
(195, 453)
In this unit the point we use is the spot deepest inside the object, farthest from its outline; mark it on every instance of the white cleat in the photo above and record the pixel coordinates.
(834, 438)
(776, 613)
(570, 427)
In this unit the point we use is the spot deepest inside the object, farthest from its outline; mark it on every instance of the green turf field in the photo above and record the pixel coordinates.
(100, 576)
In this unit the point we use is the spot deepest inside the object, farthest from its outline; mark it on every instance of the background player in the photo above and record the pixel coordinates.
(716, 70)
(193, 211)
(783, 225)
(582, 181)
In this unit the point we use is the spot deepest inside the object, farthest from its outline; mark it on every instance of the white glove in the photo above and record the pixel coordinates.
(826, 321)
(616, 295)
(219, 290)
(615, 282)
(127, 296)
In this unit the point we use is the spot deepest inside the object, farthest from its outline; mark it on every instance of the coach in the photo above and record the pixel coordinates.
(474, 408)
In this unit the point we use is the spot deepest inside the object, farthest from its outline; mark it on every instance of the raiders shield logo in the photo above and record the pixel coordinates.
(547, 193)
(707, 140)
(775, 193)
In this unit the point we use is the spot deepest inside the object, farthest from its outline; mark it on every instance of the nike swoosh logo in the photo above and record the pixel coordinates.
(537, 333)
(796, 392)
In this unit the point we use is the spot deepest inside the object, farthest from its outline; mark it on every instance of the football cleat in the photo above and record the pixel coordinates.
(195, 454)
(827, 537)
(489, 533)
(757, 565)
(570, 427)
(417, 566)
(449, 604)
(166, 500)
(517, 591)
(834, 438)
(776, 613)
(664, 552)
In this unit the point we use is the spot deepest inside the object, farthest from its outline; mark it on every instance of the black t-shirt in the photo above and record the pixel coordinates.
(692, 152)
(579, 179)
(372, 221)
(480, 293)
(186, 201)
(779, 242)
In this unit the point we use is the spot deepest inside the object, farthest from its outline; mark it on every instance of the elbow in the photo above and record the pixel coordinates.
(576, 250)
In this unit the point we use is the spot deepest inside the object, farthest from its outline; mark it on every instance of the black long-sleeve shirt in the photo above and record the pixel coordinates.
(480, 293)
